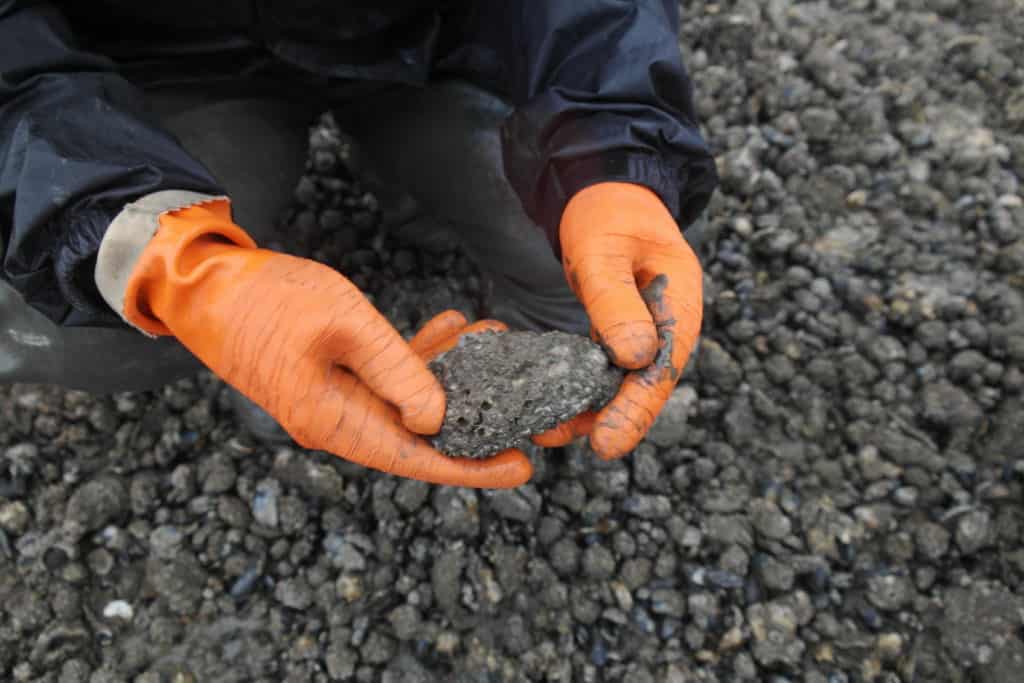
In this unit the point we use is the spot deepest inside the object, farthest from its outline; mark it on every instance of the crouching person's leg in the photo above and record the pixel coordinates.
(442, 145)
(100, 360)
(260, 179)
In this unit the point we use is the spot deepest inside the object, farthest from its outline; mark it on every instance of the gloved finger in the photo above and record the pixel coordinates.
(368, 345)
(675, 299)
(485, 325)
(450, 342)
(358, 426)
(505, 470)
(437, 330)
(672, 288)
(404, 454)
(605, 284)
(624, 422)
(567, 432)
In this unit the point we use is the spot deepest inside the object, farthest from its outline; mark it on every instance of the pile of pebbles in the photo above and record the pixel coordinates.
(834, 494)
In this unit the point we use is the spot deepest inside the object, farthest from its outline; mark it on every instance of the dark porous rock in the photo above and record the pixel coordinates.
(503, 388)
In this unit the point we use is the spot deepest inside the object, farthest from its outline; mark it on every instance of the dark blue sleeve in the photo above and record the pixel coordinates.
(601, 94)
(76, 145)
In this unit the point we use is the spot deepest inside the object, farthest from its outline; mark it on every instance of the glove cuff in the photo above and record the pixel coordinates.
(146, 239)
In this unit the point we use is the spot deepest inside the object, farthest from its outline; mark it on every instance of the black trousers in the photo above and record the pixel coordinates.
(439, 144)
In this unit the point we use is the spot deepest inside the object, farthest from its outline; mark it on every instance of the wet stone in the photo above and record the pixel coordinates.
(318, 480)
(521, 504)
(973, 531)
(165, 541)
(294, 593)
(774, 628)
(670, 425)
(932, 540)
(718, 367)
(598, 562)
(947, 404)
(344, 554)
(411, 494)
(265, 509)
(980, 622)
(890, 592)
(233, 511)
(217, 473)
(648, 506)
(775, 574)
(769, 520)
(341, 662)
(97, 503)
(406, 621)
(14, 517)
(565, 557)
(180, 582)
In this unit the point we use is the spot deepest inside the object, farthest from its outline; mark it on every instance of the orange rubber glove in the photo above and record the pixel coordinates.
(641, 285)
(303, 343)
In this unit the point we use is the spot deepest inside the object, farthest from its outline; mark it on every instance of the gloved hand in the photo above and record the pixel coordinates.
(302, 342)
(641, 286)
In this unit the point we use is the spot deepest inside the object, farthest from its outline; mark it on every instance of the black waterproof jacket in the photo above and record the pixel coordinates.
(598, 86)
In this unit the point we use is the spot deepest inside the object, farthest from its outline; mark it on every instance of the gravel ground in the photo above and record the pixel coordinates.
(834, 493)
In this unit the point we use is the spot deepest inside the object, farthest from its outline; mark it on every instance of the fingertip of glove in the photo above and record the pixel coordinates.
(486, 326)
(554, 438)
(436, 331)
(609, 444)
(633, 347)
(508, 469)
(425, 415)
(567, 432)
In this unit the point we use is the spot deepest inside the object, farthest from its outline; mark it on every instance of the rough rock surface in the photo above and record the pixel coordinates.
(503, 388)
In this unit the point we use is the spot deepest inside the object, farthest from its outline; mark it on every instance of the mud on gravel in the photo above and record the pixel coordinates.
(834, 494)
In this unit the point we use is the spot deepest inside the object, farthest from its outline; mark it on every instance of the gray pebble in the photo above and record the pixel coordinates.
(670, 425)
(217, 473)
(265, 503)
(890, 592)
(769, 520)
(973, 531)
(598, 562)
(776, 575)
(96, 503)
(774, 627)
(165, 541)
(294, 593)
(521, 504)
